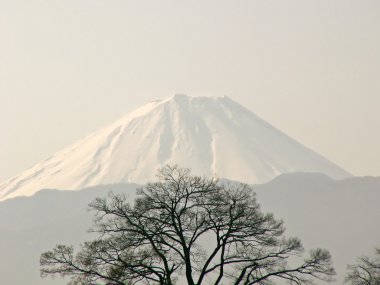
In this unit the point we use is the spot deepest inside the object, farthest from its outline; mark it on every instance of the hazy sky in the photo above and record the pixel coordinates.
(310, 68)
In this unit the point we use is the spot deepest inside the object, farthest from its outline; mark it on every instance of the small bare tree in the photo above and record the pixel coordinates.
(189, 230)
(365, 272)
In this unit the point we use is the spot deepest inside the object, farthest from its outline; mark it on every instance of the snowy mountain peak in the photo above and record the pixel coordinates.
(179, 97)
(211, 135)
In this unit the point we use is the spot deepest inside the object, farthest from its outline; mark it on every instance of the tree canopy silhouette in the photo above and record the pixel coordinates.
(186, 229)
(365, 272)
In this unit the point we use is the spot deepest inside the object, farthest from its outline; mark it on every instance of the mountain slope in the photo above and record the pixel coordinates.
(341, 216)
(213, 136)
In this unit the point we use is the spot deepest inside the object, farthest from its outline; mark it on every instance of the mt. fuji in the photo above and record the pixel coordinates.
(214, 136)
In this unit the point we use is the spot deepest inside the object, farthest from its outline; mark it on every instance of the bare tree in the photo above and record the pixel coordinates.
(189, 230)
(365, 272)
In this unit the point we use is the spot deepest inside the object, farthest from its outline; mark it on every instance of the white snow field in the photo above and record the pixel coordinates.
(211, 135)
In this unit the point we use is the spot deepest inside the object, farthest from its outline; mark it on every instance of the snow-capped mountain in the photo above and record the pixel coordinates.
(211, 135)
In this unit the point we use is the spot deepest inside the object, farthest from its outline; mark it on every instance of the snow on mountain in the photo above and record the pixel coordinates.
(211, 135)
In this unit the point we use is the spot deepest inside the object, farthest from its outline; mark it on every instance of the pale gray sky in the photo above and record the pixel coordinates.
(310, 68)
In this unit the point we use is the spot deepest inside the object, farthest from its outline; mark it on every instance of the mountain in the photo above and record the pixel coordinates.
(211, 135)
(341, 216)
(32, 225)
